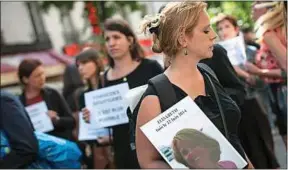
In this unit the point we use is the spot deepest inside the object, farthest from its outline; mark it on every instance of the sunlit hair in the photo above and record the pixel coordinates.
(273, 19)
(175, 19)
(195, 138)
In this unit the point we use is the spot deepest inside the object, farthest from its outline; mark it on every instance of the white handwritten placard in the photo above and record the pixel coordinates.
(39, 118)
(108, 106)
(88, 131)
(186, 125)
(235, 48)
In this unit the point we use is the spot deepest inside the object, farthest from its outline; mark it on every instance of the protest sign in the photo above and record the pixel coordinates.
(88, 131)
(39, 118)
(235, 48)
(186, 138)
(107, 105)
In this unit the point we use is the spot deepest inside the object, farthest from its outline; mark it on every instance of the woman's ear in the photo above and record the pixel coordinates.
(182, 40)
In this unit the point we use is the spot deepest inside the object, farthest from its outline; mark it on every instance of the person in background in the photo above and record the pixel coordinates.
(32, 76)
(16, 125)
(127, 65)
(71, 82)
(273, 56)
(250, 37)
(177, 32)
(258, 141)
(90, 66)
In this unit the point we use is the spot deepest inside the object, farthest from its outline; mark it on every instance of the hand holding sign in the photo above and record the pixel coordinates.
(88, 131)
(53, 115)
(86, 115)
(39, 117)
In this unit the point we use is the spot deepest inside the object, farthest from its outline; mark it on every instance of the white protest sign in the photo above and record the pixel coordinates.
(196, 134)
(88, 131)
(235, 49)
(134, 96)
(107, 105)
(39, 118)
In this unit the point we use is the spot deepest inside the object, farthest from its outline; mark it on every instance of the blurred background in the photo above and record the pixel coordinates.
(56, 31)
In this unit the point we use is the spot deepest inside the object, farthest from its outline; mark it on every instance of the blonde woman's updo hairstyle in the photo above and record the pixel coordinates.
(176, 18)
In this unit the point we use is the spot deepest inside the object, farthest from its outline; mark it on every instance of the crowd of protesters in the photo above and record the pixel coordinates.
(251, 91)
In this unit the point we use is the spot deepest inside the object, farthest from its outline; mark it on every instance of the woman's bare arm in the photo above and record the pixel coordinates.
(274, 73)
(148, 156)
(277, 48)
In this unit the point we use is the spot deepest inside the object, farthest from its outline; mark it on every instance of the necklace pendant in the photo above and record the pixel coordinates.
(124, 79)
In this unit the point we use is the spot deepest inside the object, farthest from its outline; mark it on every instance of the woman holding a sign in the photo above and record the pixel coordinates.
(45, 106)
(183, 33)
(259, 141)
(90, 65)
(127, 66)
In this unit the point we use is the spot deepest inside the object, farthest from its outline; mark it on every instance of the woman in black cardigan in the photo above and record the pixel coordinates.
(31, 74)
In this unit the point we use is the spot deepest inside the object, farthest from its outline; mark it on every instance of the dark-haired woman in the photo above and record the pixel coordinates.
(127, 65)
(32, 76)
(89, 66)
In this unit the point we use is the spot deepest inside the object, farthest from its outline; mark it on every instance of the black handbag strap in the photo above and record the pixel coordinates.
(164, 90)
(219, 106)
(167, 96)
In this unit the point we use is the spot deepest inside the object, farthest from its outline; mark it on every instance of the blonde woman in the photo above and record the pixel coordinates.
(182, 31)
(271, 30)
(273, 56)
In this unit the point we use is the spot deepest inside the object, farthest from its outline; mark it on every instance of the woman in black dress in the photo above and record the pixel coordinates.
(127, 64)
(183, 33)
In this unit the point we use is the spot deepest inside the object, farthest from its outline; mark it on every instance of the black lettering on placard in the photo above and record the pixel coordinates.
(182, 112)
(32, 115)
(109, 118)
(106, 111)
(117, 109)
(161, 127)
(174, 118)
(167, 116)
(113, 99)
(34, 110)
(109, 94)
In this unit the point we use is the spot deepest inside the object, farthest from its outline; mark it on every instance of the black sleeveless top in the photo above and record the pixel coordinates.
(208, 105)
(146, 70)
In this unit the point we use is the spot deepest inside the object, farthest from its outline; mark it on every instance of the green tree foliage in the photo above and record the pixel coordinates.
(239, 9)
(105, 8)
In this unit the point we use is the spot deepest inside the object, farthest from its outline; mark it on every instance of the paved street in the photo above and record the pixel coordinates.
(280, 151)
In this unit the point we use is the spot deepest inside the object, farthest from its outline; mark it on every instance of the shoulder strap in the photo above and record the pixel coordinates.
(207, 69)
(219, 105)
(164, 90)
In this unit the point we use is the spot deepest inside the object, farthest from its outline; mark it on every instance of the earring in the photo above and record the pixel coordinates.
(185, 51)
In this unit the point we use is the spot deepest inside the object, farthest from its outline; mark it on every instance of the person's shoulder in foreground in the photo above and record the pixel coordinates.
(16, 125)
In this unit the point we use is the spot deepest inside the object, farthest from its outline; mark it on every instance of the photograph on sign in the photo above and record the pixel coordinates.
(186, 138)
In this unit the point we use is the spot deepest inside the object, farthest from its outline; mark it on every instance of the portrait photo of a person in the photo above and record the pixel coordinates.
(194, 149)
